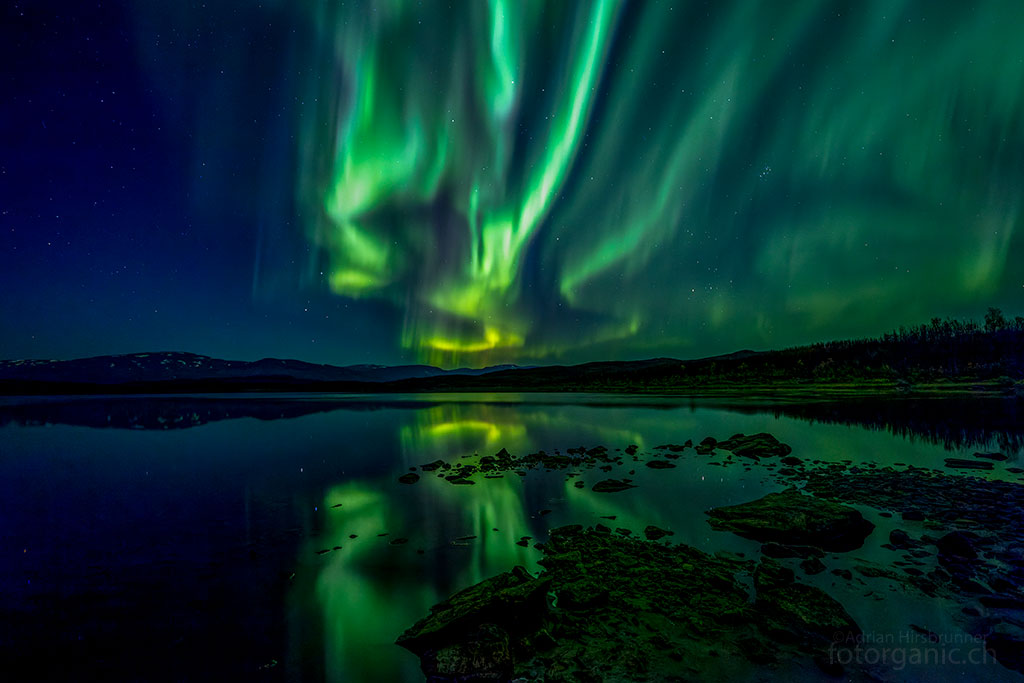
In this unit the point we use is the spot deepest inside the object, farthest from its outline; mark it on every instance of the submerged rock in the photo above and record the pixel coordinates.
(1006, 642)
(755, 446)
(792, 518)
(410, 478)
(706, 446)
(612, 486)
(653, 533)
(510, 600)
(660, 464)
(992, 456)
(961, 464)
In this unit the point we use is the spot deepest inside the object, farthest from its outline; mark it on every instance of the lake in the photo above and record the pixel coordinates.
(261, 537)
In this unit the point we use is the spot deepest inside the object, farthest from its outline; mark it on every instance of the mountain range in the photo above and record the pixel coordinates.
(943, 351)
(172, 366)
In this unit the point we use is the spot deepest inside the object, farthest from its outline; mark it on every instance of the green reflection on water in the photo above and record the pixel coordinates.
(369, 591)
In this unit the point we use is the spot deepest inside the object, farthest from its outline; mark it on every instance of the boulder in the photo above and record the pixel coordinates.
(1006, 643)
(792, 518)
(627, 610)
(992, 456)
(612, 486)
(660, 464)
(961, 464)
(653, 533)
(507, 600)
(755, 446)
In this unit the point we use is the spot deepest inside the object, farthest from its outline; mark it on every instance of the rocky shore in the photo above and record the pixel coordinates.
(612, 606)
(608, 607)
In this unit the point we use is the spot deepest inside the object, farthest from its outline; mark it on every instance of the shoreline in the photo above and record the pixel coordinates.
(777, 391)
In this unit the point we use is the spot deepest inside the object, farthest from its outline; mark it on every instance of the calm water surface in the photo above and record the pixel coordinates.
(171, 538)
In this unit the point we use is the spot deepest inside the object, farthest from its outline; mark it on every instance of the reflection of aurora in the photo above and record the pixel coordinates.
(370, 591)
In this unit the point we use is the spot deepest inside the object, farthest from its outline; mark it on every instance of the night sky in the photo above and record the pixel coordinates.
(473, 182)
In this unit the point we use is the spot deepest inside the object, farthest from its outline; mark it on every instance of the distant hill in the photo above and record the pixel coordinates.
(171, 366)
(940, 351)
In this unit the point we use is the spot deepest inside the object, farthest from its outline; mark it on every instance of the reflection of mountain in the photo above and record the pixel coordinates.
(174, 412)
(180, 412)
(445, 426)
(177, 368)
(953, 423)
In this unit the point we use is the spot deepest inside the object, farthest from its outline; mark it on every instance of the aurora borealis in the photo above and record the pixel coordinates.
(469, 183)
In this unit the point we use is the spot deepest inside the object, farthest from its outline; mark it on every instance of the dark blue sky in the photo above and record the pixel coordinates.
(127, 224)
(469, 183)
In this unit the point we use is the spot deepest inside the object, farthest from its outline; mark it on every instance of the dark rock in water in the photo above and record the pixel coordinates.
(653, 533)
(1006, 642)
(673, 447)
(409, 478)
(461, 481)
(961, 464)
(755, 446)
(957, 547)
(511, 600)
(399, 541)
(631, 449)
(792, 461)
(611, 486)
(913, 515)
(431, 466)
(1003, 602)
(706, 447)
(627, 610)
(813, 566)
(991, 456)
(660, 464)
(901, 539)
(792, 518)
(579, 484)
